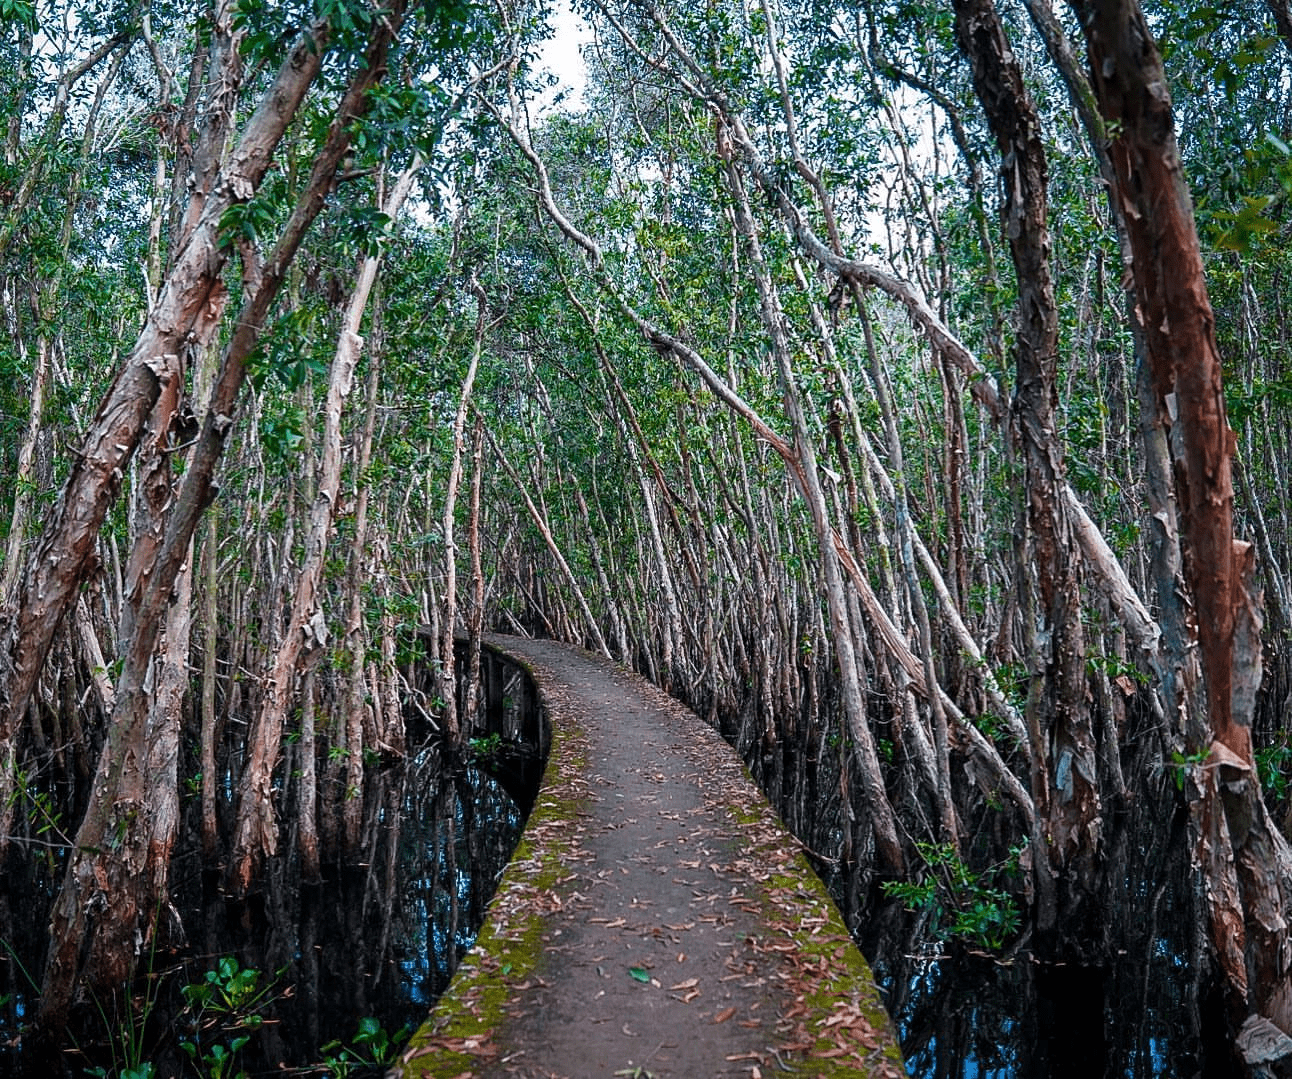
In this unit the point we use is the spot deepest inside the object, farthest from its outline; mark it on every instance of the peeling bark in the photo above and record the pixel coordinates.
(186, 312)
(96, 914)
(256, 830)
(1245, 863)
(1064, 769)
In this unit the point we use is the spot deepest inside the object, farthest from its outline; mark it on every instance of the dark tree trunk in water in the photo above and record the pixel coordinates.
(1064, 775)
(1245, 862)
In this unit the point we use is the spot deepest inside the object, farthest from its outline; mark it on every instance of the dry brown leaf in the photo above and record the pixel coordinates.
(725, 1014)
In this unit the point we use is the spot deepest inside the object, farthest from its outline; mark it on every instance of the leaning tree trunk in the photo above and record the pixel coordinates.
(1245, 862)
(188, 310)
(96, 914)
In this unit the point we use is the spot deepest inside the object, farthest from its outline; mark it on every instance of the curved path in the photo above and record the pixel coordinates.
(657, 920)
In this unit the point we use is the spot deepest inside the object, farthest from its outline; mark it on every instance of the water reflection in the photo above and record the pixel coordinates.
(375, 941)
(1137, 1008)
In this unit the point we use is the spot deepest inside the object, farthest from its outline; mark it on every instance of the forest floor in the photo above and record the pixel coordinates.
(657, 919)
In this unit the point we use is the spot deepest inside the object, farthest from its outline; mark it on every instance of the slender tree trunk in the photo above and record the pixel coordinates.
(255, 830)
(96, 915)
(883, 819)
(1065, 781)
(187, 310)
(448, 668)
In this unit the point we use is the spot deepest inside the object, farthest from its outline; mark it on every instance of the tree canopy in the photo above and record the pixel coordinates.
(903, 385)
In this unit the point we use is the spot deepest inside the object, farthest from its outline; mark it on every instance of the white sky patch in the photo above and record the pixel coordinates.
(560, 55)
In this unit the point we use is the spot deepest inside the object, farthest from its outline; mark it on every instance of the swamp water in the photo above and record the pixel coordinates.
(331, 975)
(1132, 998)
(1141, 1007)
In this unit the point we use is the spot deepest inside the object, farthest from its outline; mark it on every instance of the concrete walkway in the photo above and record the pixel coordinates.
(657, 920)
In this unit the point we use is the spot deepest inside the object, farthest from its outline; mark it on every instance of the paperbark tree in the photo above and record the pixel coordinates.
(187, 310)
(95, 926)
(1065, 781)
(256, 830)
(1245, 862)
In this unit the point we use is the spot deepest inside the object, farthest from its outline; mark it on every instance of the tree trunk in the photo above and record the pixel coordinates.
(1245, 863)
(1063, 762)
(448, 668)
(97, 912)
(256, 830)
(187, 311)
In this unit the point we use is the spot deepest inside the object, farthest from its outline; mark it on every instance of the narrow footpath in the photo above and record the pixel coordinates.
(657, 919)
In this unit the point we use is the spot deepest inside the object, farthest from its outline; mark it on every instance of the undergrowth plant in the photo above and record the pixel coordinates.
(963, 905)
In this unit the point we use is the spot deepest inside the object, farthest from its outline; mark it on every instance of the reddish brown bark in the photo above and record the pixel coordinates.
(1244, 861)
(97, 913)
(187, 310)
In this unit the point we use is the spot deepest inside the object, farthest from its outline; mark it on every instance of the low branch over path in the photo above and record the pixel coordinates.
(657, 918)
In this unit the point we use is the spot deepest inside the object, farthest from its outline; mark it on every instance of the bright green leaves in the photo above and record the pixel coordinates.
(1262, 174)
(1220, 49)
(399, 117)
(364, 230)
(965, 905)
(288, 352)
(1244, 400)
(245, 223)
(267, 28)
(449, 23)
(349, 21)
(20, 13)
(1245, 225)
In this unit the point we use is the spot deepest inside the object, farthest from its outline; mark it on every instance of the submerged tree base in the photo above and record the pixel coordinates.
(297, 974)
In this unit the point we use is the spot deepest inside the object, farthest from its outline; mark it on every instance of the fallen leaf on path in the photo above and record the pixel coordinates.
(639, 974)
(725, 1014)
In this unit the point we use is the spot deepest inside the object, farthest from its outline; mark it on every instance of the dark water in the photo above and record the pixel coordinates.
(1127, 995)
(1138, 1005)
(300, 975)
(974, 1017)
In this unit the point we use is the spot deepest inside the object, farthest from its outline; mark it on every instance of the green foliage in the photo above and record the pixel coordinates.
(964, 905)
(21, 13)
(1114, 667)
(245, 222)
(1182, 763)
(365, 231)
(280, 432)
(230, 990)
(370, 1048)
(486, 747)
(225, 1007)
(1274, 766)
